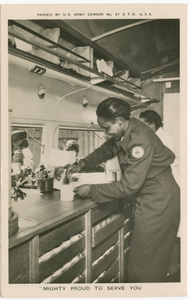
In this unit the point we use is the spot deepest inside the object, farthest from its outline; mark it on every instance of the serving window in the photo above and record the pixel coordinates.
(34, 143)
(88, 140)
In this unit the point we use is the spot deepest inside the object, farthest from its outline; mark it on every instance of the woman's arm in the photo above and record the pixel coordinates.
(133, 177)
(99, 155)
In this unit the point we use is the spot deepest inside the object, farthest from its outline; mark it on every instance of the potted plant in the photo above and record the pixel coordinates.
(60, 176)
(58, 172)
(17, 182)
(26, 176)
(44, 178)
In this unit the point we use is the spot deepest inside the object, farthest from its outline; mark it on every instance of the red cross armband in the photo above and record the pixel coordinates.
(137, 152)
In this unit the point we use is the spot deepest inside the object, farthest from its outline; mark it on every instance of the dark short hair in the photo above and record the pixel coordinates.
(151, 117)
(72, 145)
(112, 108)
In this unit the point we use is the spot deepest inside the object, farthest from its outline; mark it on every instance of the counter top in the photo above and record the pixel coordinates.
(45, 211)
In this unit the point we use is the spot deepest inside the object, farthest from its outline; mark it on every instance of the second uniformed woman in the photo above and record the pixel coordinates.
(20, 141)
(146, 173)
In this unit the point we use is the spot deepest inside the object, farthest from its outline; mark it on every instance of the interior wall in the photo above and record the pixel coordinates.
(157, 90)
(55, 110)
(51, 112)
(25, 103)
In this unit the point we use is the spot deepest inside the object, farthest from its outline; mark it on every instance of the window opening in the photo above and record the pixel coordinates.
(34, 146)
(88, 140)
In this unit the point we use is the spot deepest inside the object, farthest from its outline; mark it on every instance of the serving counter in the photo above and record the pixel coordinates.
(70, 241)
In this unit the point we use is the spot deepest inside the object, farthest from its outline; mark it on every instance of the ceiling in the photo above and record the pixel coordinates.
(144, 47)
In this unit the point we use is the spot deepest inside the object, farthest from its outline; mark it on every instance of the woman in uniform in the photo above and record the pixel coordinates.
(21, 152)
(20, 142)
(153, 120)
(146, 173)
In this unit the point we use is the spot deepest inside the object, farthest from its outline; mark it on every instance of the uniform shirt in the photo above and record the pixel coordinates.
(18, 157)
(142, 156)
(168, 140)
(27, 161)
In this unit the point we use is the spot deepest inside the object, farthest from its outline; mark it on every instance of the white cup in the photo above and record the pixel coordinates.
(66, 193)
(118, 175)
(111, 175)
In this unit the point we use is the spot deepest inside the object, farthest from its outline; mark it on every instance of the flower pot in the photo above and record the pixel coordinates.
(45, 186)
(13, 223)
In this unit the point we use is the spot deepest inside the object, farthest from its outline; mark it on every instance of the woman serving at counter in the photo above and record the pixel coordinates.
(146, 173)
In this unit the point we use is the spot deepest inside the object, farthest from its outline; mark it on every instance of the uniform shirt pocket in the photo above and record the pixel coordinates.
(123, 160)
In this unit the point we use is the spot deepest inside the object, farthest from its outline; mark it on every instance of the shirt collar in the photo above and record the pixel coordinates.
(159, 130)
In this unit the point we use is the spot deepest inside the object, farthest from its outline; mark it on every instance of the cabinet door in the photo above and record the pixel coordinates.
(24, 262)
(19, 264)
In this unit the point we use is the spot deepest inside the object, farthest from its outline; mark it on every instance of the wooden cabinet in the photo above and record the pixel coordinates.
(90, 247)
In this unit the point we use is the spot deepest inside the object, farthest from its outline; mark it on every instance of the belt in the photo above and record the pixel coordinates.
(166, 172)
(152, 180)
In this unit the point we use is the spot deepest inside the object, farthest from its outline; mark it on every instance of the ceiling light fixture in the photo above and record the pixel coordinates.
(41, 91)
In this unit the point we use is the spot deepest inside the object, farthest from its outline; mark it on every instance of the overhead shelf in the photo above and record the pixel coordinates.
(105, 81)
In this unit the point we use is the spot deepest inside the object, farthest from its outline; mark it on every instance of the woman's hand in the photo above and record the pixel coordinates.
(82, 191)
(76, 168)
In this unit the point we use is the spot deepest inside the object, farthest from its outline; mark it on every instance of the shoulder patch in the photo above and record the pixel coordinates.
(137, 152)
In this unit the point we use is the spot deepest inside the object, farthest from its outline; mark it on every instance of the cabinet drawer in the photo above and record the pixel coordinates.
(19, 268)
(55, 237)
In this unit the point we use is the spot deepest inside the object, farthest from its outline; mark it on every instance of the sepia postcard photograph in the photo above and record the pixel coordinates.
(94, 150)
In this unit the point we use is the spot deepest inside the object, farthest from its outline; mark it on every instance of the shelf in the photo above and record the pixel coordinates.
(106, 81)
